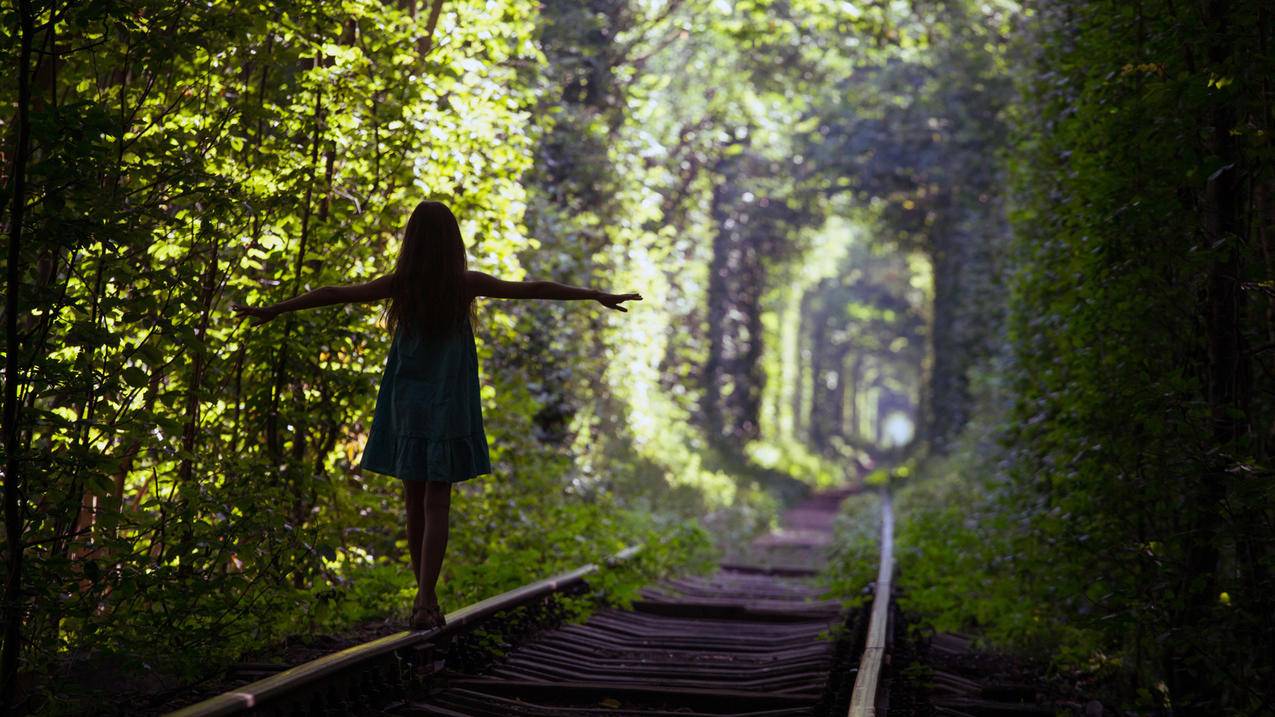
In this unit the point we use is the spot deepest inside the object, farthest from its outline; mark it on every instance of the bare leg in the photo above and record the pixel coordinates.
(414, 498)
(438, 503)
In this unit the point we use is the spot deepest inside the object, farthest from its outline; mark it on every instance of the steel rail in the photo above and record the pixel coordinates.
(863, 699)
(310, 674)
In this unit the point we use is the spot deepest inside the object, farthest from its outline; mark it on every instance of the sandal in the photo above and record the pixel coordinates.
(422, 619)
(427, 617)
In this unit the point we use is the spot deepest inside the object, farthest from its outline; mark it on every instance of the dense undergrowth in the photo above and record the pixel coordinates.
(1106, 502)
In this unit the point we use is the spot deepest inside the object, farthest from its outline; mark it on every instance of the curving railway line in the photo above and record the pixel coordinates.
(753, 639)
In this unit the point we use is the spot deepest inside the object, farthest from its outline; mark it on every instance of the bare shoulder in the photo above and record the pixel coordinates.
(479, 283)
(380, 288)
(475, 278)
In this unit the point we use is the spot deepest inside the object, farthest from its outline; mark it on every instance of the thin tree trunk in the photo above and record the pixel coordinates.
(74, 543)
(851, 418)
(13, 519)
(274, 443)
(718, 305)
(819, 397)
(130, 454)
(426, 42)
(190, 432)
(1228, 382)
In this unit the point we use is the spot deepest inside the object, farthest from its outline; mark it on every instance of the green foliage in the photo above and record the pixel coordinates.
(183, 471)
(190, 487)
(847, 328)
(1108, 505)
(1097, 488)
(666, 545)
(811, 197)
(1140, 420)
(853, 559)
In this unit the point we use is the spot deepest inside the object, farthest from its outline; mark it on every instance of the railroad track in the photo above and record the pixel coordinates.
(751, 640)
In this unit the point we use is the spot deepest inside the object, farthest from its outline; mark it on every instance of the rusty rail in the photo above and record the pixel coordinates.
(380, 666)
(864, 698)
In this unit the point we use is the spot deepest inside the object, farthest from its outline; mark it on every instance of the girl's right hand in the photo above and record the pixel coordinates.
(613, 301)
(259, 314)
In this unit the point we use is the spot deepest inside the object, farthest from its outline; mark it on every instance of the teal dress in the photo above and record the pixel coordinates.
(428, 423)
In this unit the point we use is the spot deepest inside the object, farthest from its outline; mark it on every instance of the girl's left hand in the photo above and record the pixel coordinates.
(259, 314)
(613, 301)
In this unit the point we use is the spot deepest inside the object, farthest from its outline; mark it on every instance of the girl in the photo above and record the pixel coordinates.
(427, 429)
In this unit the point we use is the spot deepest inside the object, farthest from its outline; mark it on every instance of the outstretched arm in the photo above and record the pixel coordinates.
(374, 290)
(481, 284)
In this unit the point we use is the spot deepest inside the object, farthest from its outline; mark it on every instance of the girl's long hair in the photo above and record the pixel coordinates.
(429, 293)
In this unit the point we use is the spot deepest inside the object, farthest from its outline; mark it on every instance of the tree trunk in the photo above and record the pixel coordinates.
(13, 519)
(274, 442)
(1228, 382)
(426, 42)
(949, 389)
